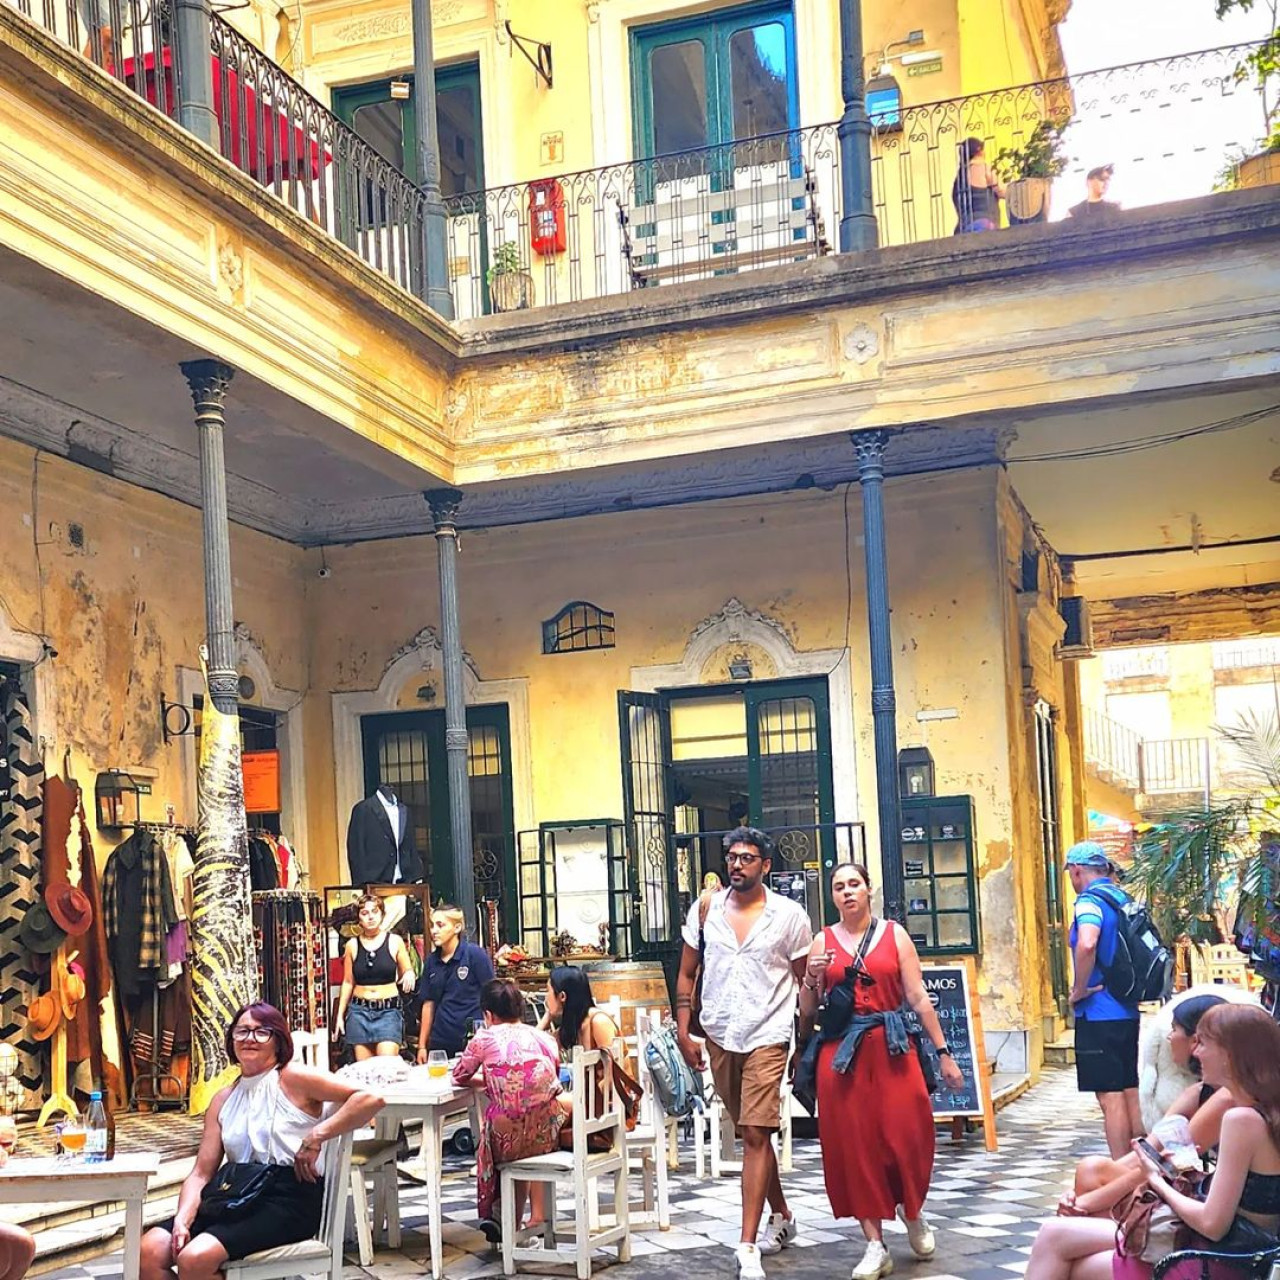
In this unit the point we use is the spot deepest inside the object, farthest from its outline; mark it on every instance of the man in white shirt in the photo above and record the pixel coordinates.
(752, 950)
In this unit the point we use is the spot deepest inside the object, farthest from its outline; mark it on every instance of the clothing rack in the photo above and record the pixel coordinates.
(155, 1076)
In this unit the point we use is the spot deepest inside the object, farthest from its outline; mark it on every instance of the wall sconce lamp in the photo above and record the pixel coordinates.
(400, 90)
(740, 667)
(915, 773)
(119, 802)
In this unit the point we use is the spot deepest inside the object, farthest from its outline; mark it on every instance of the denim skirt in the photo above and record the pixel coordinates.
(373, 1026)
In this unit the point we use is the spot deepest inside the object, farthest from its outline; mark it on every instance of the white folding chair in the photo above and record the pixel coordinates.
(321, 1255)
(597, 1109)
(714, 1134)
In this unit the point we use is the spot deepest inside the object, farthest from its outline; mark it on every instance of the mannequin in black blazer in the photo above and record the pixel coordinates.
(372, 846)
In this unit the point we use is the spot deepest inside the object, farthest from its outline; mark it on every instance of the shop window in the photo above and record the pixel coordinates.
(580, 625)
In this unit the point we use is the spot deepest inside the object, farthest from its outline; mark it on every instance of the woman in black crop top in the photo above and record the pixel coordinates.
(1239, 1049)
(375, 969)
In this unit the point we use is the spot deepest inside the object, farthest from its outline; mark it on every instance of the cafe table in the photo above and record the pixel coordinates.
(44, 1179)
(419, 1097)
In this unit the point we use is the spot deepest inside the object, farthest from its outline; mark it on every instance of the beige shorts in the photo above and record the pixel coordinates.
(750, 1084)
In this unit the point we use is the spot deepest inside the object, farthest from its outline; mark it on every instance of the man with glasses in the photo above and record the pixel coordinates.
(751, 945)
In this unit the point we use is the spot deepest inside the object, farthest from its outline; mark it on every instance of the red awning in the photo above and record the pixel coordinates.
(281, 155)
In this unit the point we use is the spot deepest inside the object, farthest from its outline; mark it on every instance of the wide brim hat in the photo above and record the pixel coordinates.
(43, 1016)
(39, 931)
(70, 907)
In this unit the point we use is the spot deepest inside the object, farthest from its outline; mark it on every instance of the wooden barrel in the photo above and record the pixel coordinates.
(638, 984)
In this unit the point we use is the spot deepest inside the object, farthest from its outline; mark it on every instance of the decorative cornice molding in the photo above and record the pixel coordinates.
(731, 618)
(425, 644)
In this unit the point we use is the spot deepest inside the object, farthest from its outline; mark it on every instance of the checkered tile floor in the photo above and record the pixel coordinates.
(985, 1208)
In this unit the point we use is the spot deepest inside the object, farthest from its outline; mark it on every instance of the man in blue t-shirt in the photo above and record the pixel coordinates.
(1106, 1029)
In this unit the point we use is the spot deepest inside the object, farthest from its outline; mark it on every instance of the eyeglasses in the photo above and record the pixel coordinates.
(742, 859)
(259, 1035)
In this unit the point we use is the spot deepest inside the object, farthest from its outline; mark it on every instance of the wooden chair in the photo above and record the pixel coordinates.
(312, 1049)
(373, 1163)
(597, 1109)
(1226, 963)
(322, 1255)
(648, 1143)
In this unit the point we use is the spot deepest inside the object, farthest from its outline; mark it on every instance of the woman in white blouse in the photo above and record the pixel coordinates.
(275, 1115)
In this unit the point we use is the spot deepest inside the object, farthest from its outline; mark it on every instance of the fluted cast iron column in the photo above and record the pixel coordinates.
(209, 380)
(870, 447)
(857, 216)
(444, 504)
(435, 228)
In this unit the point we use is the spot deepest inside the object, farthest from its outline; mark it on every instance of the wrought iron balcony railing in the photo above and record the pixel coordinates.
(1172, 128)
(269, 126)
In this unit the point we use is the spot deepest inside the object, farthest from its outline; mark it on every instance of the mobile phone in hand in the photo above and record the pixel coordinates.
(1158, 1159)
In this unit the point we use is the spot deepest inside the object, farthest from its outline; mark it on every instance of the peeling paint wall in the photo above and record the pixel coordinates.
(125, 609)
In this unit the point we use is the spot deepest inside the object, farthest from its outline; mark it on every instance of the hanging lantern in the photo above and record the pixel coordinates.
(915, 773)
(119, 801)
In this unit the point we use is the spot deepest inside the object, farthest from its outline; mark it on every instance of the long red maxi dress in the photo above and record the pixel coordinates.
(875, 1123)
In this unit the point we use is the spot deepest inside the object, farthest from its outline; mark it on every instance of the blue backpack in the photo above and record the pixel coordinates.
(676, 1086)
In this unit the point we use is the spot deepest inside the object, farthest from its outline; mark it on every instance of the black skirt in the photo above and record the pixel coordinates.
(287, 1211)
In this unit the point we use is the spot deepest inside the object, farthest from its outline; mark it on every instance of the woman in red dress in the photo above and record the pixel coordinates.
(875, 1121)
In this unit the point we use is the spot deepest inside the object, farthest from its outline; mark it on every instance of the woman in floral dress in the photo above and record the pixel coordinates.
(524, 1114)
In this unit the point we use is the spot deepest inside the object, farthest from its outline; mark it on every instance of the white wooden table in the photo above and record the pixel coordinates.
(43, 1179)
(430, 1101)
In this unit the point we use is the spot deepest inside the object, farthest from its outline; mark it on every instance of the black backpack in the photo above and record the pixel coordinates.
(1142, 967)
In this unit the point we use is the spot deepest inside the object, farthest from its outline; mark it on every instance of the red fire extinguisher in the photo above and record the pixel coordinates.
(546, 216)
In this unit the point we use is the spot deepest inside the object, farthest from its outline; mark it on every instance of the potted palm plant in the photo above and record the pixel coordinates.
(1030, 169)
(510, 285)
(1195, 864)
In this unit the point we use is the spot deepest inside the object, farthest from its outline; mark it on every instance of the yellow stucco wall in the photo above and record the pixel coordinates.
(125, 611)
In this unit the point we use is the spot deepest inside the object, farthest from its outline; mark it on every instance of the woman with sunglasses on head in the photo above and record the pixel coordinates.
(376, 971)
(1239, 1050)
(875, 1120)
(273, 1115)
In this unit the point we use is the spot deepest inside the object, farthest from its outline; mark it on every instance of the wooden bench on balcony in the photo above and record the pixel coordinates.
(721, 232)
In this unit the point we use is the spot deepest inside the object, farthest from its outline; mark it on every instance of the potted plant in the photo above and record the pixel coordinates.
(510, 285)
(1030, 169)
(1261, 67)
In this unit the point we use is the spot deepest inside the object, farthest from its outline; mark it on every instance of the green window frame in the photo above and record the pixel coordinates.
(940, 875)
(715, 34)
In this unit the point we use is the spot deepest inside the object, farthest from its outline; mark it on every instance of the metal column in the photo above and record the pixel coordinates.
(870, 447)
(435, 224)
(444, 504)
(193, 50)
(209, 380)
(857, 216)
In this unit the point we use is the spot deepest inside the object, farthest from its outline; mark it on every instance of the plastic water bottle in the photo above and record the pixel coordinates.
(95, 1138)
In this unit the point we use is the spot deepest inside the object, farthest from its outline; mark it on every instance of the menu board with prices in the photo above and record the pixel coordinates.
(952, 990)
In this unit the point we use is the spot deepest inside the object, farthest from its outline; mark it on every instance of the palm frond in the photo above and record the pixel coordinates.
(1256, 739)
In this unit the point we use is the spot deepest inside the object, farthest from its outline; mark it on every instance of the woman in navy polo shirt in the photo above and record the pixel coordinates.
(450, 985)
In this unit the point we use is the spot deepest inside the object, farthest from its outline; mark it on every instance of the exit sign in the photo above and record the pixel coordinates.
(924, 68)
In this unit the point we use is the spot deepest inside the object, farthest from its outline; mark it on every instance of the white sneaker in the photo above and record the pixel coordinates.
(777, 1233)
(749, 1267)
(919, 1234)
(875, 1262)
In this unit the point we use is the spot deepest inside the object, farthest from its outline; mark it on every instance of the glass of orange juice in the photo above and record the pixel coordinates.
(437, 1064)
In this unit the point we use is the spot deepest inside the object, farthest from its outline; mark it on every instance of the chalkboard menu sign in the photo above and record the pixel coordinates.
(952, 991)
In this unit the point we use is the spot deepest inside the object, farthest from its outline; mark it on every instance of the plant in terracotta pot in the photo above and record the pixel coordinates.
(510, 285)
(1030, 170)
(1260, 165)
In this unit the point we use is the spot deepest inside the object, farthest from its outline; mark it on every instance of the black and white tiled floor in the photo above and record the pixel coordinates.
(985, 1208)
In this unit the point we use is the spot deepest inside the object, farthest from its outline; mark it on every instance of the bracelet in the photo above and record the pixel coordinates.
(809, 986)
(943, 1050)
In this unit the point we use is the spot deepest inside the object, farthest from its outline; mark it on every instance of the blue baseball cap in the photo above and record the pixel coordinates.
(1088, 853)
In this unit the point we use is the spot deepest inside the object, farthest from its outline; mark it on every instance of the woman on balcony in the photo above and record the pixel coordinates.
(976, 191)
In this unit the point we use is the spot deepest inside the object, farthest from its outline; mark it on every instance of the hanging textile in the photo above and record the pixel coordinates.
(288, 930)
(20, 814)
(223, 976)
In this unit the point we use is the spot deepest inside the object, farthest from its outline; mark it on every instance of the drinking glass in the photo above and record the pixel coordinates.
(73, 1136)
(437, 1064)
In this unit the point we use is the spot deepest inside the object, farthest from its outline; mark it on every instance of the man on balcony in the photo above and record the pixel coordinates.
(1106, 1028)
